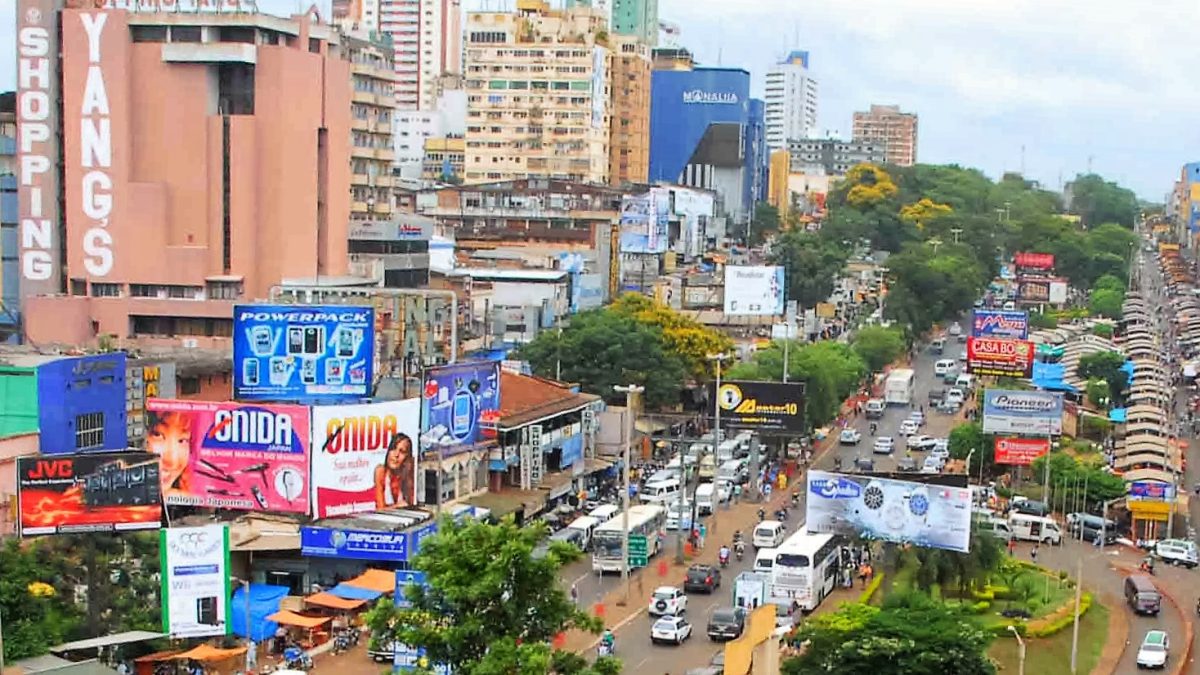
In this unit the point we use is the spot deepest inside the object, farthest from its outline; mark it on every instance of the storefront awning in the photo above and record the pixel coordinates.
(383, 581)
(354, 592)
(333, 602)
(207, 654)
(290, 618)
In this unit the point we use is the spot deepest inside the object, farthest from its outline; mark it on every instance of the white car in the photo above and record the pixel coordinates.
(884, 445)
(667, 601)
(955, 396)
(921, 442)
(955, 329)
(1155, 648)
(918, 417)
(909, 427)
(850, 437)
(674, 629)
(942, 453)
(942, 445)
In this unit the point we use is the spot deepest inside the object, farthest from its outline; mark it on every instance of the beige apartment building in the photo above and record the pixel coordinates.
(629, 140)
(538, 84)
(886, 125)
(444, 159)
(372, 107)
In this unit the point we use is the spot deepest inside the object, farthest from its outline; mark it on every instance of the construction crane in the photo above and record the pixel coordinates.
(669, 34)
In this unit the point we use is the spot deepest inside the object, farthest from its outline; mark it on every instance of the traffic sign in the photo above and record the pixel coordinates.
(638, 551)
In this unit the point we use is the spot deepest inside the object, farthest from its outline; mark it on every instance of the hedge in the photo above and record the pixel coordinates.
(871, 589)
(1059, 620)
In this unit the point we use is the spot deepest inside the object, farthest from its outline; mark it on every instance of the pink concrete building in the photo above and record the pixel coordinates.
(206, 160)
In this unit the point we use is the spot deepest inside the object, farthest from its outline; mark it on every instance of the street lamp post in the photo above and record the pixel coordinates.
(969, 455)
(720, 360)
(629, 391)
(1020, 650)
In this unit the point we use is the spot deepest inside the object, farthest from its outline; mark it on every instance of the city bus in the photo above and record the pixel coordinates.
(806, 569)
(648, 520)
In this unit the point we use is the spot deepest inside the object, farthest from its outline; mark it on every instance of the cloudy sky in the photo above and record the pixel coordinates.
(1069, 81)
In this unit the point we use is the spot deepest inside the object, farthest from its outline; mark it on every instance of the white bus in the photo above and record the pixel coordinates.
(648, 520)
(806, 569)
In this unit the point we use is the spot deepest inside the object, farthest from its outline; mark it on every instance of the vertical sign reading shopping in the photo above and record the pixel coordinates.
(195, 580)
(321, 353)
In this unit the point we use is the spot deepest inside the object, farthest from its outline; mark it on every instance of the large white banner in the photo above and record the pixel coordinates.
(898, 511)
(364, 457)
(195, 580)
(1022, 412)
(754, 291)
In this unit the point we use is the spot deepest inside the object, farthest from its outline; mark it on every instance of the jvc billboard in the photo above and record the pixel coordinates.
(761, 406)
(1022, 412)
(321, 353)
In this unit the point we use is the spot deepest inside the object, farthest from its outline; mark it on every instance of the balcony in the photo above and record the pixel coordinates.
(366, 98)
(359, 125)
(386, 154)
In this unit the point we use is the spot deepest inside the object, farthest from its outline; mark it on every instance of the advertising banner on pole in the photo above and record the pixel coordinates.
(102, 492)
(762, 406)
(1036, 261)
(228, 455)
(1034, 290)
(1000, 357)
(1151, 491)
(195, 580)
(328, 542)
(998, 323)
(1020, 451)
(754, 291)
(311, 353)
(1022, 412)
(896, 511)
(364, 457)
(460, 406)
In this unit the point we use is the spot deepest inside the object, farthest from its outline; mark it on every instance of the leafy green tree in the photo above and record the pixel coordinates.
(969, 436)
(1099, 201)
(1070, 476)
(601, 349)
(878, 346)
(811, 266)
(36, 601)
(927, 288)
(1106, 303)
(487, 592)
(687, 339)
(766, 221)
(1105, 367)
(830, 370)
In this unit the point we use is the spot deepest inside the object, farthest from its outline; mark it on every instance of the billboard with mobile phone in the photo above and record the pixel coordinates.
(244, 457)
(460, 406)
(303, 353)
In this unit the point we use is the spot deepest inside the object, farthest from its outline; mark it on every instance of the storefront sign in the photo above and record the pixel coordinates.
(195, 580)
(1020, 451)
(999, 357)
(710, 97)
(762, 406)
(364, 457)
(1150, 510)
(112, 492)
(325, 542)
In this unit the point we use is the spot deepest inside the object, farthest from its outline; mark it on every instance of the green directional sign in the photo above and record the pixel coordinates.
(639, 552)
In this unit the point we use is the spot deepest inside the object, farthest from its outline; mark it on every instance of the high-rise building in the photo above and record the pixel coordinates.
(832, 156)
(629, 150)
(791, 101)
(372, 109)
(896, 131)
(427, 40)
(537, 86)
(636, 19)
(194, 173)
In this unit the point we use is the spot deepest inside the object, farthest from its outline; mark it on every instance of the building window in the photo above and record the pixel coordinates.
(106, 290)
(89, 431)
(148, 33)
(78, 287)
(224, 290)
(189, 386)
(185, 34)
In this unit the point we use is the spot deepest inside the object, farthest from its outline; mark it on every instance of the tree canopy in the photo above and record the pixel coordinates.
(878, 346)
(811, 265)
(1099, 201)
(687, 339)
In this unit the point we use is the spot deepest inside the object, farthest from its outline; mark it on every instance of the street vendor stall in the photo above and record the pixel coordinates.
(345, 611)
(381, 581)
(307, 631)
(212, 659)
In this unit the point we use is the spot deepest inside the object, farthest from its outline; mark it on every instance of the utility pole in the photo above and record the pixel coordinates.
(720, 359)
(1078, 596)
(630, 391)
(1020, 650)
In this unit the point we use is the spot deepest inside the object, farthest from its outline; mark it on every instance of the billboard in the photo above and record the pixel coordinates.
(102, 492)
(460, 406)
(1058, 292)
(316, 353)
(1022, 412)
(1020, 451)
(754, 291)
(1035, 261)
(762, 406)
(327, 542)
(364, 457)
(1033, 289)
(81, 404)
(999, 323)
(644, 221)
(195, 580)
(1151, 490)
(1000, 357)
(897, 511)
(245, 457)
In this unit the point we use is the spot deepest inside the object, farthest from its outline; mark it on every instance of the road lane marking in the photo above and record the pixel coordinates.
(618, 627)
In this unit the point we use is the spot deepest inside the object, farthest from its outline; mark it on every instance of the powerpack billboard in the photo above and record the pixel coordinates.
(100, 492)
(761, 406)
(1000, 357)
(364, 457)
(1036, 261)
(754, 291)
(896, 511)
(195, 580)
(460, 407)
(1022, 412)
(1000, 323)
(245, 457)
(1020, 451)
(313, 353)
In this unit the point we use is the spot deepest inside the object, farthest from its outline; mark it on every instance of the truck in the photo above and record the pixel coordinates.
(898, 388)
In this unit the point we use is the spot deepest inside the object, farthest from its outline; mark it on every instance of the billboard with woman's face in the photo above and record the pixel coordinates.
(364, 457)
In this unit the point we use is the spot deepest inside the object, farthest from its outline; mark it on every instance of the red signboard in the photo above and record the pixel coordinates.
(1020, 451)
(1000, 357)
(1037, 261)
(102, 492)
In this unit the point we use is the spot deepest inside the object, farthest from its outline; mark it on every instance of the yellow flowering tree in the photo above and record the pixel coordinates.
(687, 338)
(923, 212)
(869, 185)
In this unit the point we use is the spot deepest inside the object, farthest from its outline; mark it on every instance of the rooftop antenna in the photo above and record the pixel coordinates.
(1022, 160)
(1089, 164)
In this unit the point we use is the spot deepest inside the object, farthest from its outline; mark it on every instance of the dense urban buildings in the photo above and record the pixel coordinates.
(372, 109)
(629, 149)
(637, 19)
(895, 130)
(832, 156)
(791, 101)
(444, 159)
(537, 86)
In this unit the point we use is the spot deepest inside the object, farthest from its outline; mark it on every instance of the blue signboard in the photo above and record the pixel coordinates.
(81, 404)
(1000, 323)
(328, 542)
(417, 536)
(1151, 490)
(310, 353)
(404, 579)
(460, 406)
(406, 657)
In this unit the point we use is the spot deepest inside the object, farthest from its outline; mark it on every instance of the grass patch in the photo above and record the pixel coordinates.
(1053, 654)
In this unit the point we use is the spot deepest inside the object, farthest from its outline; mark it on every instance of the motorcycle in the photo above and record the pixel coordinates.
(723, 558)
(739, 549)
(762, 515)
(606, 649)
(295, 658)
(781, 515)
(795, 499)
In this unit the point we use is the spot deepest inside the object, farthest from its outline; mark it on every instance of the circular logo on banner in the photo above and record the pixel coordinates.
(729, 396)
(338, 539)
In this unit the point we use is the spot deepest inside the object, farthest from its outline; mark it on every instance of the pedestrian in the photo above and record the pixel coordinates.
(703, 534)
(1012, 546)
(574, 594)
(870, 571)
(1034, 552)
(862, 576)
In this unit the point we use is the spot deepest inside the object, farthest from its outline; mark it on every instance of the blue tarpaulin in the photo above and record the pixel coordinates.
(354, 592)
(1127, 368)
(264, 601)
(1049, 376)
(1117, 416)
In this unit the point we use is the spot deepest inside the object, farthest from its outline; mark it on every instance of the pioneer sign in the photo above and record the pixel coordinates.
(1022, 412)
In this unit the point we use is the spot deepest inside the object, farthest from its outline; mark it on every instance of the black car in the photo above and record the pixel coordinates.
(864, 464)
(702, 579)
(906, 464)
(726, 623)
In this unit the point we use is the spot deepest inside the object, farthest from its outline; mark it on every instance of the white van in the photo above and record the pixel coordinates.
(1034, 528)
(875, 408)
(661, 492)
(708, 495)
(769, 534)
(944, 366)
(963, 381)
(605, 512)
(764, 560)
(734, 471)
(584, 525)
(708, 468)
(997, 527)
